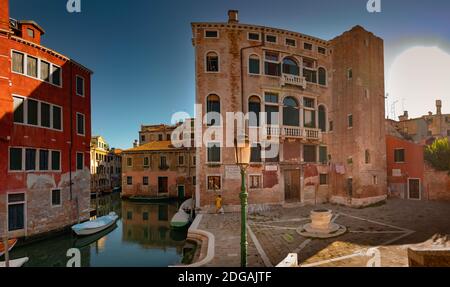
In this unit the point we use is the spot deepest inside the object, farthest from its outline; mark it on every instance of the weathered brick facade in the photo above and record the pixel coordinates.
(28, 179)
(313, 76)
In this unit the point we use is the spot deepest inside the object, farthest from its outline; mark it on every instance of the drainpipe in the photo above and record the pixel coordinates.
(71, 134)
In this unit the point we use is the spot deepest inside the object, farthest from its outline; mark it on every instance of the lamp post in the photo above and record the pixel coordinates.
(243, 151)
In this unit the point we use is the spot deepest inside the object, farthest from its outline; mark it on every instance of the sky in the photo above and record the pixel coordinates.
(143, 60)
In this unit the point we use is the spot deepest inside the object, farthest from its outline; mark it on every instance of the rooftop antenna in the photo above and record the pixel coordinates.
(387, 105)
(393, 113)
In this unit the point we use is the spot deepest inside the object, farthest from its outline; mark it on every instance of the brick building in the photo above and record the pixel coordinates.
(106, 166)
(44, 132)
(328, 102)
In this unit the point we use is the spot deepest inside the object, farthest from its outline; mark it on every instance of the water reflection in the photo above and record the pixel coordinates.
(142, 237)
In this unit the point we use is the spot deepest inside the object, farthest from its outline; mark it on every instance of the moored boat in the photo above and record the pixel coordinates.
(15, 263)
(182, 218)
(95, 226)
(11, 244)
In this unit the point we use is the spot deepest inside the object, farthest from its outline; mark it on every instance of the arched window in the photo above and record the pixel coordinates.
(322, 119)
(291, 115)
(213, 110)
(290, 67)
(254, 109)
(254, 65)
(212, 62)
(322, 77)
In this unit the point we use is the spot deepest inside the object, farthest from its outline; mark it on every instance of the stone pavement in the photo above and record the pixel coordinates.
(391, 228)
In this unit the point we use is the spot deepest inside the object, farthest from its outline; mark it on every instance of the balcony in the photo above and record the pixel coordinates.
(294, 132)
(293, 80)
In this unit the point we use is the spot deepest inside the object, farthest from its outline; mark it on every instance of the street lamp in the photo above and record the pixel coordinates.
(243, 151)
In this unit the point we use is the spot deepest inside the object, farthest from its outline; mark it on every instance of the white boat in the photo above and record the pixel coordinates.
(182, 218)
(15, 263)
(94, 226)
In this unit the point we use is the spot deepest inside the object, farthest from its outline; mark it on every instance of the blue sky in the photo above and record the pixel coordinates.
(142, 56)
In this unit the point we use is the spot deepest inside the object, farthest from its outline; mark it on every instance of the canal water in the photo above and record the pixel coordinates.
(141, 238)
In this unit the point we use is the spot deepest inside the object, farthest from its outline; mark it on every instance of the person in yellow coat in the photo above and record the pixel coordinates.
(219, 207)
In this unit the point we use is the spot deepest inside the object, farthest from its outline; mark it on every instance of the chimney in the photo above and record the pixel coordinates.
(233, 16)
(405, 116)
(135, 144)
(4, 15)
(439, 107)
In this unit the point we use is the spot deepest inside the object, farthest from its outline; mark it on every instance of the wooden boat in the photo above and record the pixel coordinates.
(95, 226)
(15, 263)
(11, 244)
(84, 241)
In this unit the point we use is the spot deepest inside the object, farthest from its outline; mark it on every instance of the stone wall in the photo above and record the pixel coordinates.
(436, 184)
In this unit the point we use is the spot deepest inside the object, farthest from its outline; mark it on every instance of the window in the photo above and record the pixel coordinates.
(160, 137)
(323, 179)
(45, 71)
(56, 197)
(18, 110)
(271, 38)
(310, 75)
(255, 181)
(45, 115)
(80, 86)
(15, 159)
(142, 138)
(146, 161)
(271, 64)
(291, 42)
(322, 77)
(30, 32)
(163, 162)
(323, 154)
(308, 46)
(253, 36)
(399, 155)
(254, 65)
(194, 180)
(80, 161)
(194, 160)
(213, 110)
(350, 74)
(44, 160)
(129, 180)
(57, 118)
(448, 133)
(350, 121)
(16, 211)
(211, 34)
(214, 183)
(254, 109)
(309, 118)
(291, 115)
(331, 126)
(32, 114)
(212, 62)
(213, 153)
(145, 216)
(129, 215)
(272, 115)
(322, 118)
(80, 124)
(18, 62)
(309, 153)
(56, 160)
(145, 180)
(322, 50)
(374, 180)
(181, 160)
(168, 137)
(367, 156)
(290, 67)
(30, 159)
(129, 162)
(255, 154)
(271, 98)
(32, 70)
(56, 75)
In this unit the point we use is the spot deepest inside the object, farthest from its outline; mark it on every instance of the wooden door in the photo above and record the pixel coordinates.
(292, 185)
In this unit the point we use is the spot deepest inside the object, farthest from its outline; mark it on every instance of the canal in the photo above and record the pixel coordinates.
(141, 238)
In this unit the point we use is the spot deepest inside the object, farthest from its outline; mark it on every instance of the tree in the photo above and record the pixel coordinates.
(438, 154)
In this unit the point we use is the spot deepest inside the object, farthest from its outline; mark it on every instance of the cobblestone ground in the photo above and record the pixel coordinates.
(391, 228)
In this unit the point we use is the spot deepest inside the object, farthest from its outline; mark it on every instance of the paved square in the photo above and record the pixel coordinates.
(389, 228)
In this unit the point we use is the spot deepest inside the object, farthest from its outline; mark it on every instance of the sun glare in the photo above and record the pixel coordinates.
(417, 78)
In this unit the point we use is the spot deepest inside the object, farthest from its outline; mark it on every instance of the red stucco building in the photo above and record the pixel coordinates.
(44, 133)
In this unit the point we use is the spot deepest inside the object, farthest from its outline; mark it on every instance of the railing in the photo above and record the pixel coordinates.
(293, 80)
(273, 131)
(313, 134)
(292, 132)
